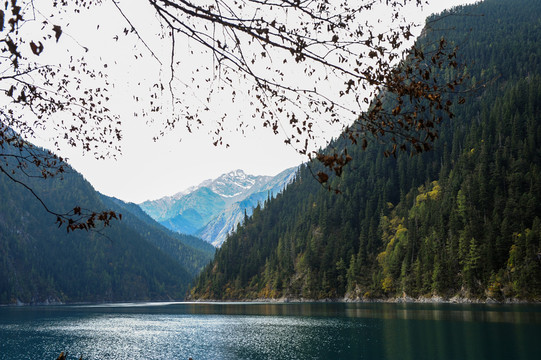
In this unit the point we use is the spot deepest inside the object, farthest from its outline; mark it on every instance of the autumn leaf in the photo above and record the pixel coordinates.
(322, 177)
(36, 49)
(57, 32)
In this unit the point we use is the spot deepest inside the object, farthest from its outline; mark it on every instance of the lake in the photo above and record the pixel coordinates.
(272, 331)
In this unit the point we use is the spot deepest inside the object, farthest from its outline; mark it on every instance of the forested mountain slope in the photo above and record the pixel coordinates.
(191, 252)
(460, 220)
(132, 260)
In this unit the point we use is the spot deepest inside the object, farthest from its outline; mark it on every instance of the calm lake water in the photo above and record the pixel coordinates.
(272, 331)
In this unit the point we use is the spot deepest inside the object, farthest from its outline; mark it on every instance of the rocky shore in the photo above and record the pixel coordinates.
(435, 299)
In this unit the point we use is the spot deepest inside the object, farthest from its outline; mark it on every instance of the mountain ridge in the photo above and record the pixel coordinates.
(213, 208)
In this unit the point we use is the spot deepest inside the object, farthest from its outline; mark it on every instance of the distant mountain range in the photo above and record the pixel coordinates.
(212, 209)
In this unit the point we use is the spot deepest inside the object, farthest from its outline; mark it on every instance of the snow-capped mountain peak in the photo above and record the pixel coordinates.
(212, 208)
(235, 184)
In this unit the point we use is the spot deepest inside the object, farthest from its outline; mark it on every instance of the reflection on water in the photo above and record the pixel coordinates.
(271, 331)
(448, 312)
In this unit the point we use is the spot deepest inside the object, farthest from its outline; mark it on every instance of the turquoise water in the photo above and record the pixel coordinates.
(272, 331)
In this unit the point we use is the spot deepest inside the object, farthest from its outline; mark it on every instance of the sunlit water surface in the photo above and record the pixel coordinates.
(272, 331)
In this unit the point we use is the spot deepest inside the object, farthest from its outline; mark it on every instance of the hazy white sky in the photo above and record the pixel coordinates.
(147, 169)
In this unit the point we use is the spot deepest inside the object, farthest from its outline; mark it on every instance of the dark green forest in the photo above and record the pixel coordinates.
(133, 259)
(461, 220)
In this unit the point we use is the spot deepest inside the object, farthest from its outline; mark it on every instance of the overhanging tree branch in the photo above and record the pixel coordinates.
(67, 98)
(349, 68)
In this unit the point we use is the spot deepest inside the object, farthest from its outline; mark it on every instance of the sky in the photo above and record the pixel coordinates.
(147, 169)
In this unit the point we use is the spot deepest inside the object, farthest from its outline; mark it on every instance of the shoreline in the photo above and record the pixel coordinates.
(397, 300)
(291, 300)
